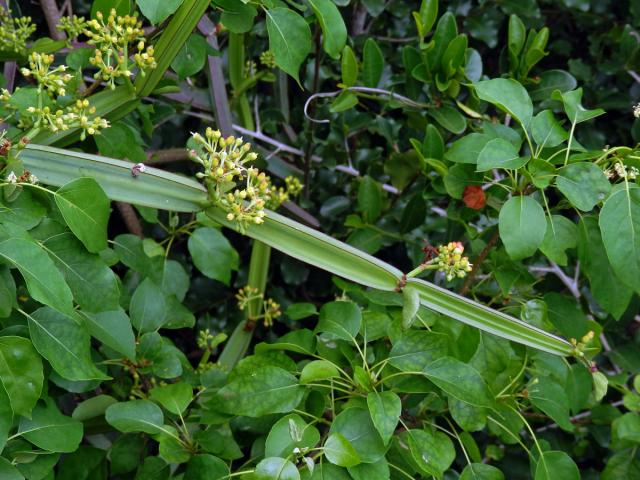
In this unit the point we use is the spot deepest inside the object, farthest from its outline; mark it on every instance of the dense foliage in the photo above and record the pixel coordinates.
(486, 149)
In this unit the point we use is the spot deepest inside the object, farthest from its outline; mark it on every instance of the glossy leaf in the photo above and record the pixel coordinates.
(334, 31)
(522, 226)
(342, 319)
(289, 39)
(509, 96)
(500, 153)
(50, 430)
(212, 254)
(561, 235)
(21, 373)
(583, 184)
(385, 409)
(175, 397)
(64, 341)
(372, 63)
(619, 224)
(355, 425)
(135, 416)
(155, 11)
(460, 380)
(85, 208)
(113, 328)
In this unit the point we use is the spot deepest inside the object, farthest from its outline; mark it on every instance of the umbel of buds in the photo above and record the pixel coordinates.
(447, 259)
(233, 184)
(51, 80)
(269, 310)
(112, 35)
(14, 31)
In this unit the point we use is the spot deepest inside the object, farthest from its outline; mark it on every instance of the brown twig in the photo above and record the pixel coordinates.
(130, 218)
(167, 156)
(478, 261)
(52, 16)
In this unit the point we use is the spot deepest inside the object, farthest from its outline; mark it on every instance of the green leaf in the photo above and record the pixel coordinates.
(566, 315)
(417, 348)
(627, 427)
(572, 102)
(339, 451)
(522, 225)
(426, 16)
(65, 343)
(25, 211)
(547, 131)
(509, 96)
(191, 57)
(433, 452)
(342, 319)
(8, 471)
(555, 464)
(356, 426)
(135, 416)
(21, 373)
(7, 292)
(156, 11)
(206, 467)
(619, 224)
(289, 39)
(607, 289)
(267, 390)
(334, 31)
(344, 102)
(94, 285)
(112, 328)
(459, 380)
(50, 430)
(468, 148)
(298, 311)
(414, 214)
(122, 7)
(551, 80)
(175, 397)
(410, 306)
(371, 471)
(92, 407)
(212, 254)
(85, 207)
(584, 185)
(148, 307)
(385, 409)
(500, 153)
(318, 370)
(561, 235)
(274, 468)
(450, 118)
(370, 199)
(120, 141)
(290, 432)
(481, 471)
(551, 398)
(44, 281)
(517, 35)
(349, 65)
(238, 17)
(372, 63)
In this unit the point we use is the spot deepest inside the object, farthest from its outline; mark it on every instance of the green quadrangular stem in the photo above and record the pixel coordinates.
(158, 189)
(236, 78)
(240, 340)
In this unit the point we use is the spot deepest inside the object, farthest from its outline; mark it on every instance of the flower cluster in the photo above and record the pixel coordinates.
(580, 347)
(14, 32)
(225, 168)
(621, 171)
(269, 309)
(268, 59)
(79, 114)
(447, 259)
(51, 80)
(73, 26)
(112, 37)
(279, 195)
(636, 110)
(451, 262)
(25, 177)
